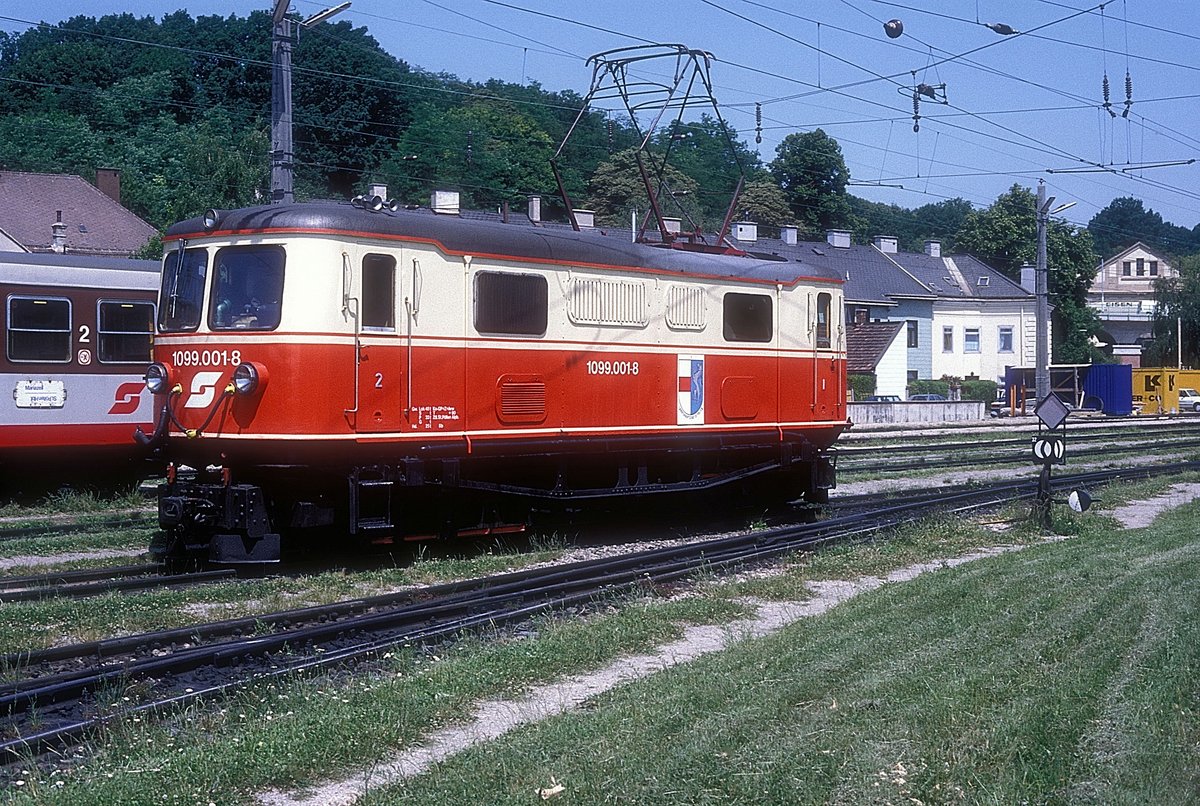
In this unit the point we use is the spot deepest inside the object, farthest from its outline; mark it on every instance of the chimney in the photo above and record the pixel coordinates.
(444, 202)
(933, 248)
(839, 238)
(789, 235)
(58, 240)
(108, 182)
(535, 208)
(1029, 278)
(586, 219)
(885, 244)
(380, 191)
(745, 231)
(672, 224)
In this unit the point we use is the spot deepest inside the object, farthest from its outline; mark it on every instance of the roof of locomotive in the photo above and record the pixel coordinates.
(454, 234)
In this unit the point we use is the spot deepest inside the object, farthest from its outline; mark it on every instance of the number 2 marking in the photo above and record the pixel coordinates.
(85, 334)
(378, 380)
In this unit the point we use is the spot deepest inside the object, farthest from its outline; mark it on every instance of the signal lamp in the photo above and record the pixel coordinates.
(212, 217)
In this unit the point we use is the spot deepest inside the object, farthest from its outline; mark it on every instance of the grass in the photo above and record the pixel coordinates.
(67, 501)
(1061, 674)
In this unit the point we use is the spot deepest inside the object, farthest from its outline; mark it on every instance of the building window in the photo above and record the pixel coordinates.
(912, 333)
(861, 315)
(39, 329)
(1126, 269)
(971, 340)
(1153, 268)
(379, 292)
(1141, 267)
(947, 339)
(1006, 338)
(125, 332)
(511, 304)
(748, 317)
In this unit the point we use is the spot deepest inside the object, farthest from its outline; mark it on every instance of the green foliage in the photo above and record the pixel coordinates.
(979, 390)
(939, 222)
(1178, 303)
(929, 386)
(861, 385)
(1005, 236)
(617, 186)
(763, 202)
(810, 170)
(710, 152)
(1125, 221)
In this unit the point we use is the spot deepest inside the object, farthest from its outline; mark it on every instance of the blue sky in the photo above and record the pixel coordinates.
(1018, 105)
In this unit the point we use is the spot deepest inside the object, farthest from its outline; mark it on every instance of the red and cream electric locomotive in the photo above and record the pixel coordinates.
(407, 372)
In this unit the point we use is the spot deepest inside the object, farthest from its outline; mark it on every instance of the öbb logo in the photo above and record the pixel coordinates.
(127, 398)
(204, 389)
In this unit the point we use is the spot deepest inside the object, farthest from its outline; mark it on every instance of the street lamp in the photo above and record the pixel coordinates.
(281, 97)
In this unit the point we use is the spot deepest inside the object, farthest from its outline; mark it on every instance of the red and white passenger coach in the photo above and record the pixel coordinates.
(404, 372)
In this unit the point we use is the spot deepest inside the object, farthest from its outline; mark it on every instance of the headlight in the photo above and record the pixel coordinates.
(211, 219)
(157, 378)
(248, 378)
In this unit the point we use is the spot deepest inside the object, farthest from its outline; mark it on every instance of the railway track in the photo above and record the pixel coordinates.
(125, 520)
(98, 581)
(177, 667)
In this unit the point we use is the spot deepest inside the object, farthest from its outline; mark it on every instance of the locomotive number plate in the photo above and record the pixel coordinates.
(40, 394)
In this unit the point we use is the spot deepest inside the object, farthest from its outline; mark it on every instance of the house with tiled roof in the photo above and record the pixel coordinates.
(66, 214)
(875, 348)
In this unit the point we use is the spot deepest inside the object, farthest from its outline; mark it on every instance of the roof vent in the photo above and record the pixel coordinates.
(745, 231)
(789, 235)
(985, 280)
(58, 237)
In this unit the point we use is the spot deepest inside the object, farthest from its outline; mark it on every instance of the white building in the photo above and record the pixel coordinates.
(1122, 295)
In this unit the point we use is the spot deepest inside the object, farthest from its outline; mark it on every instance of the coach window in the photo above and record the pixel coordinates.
(247, 288)
(182, 296)
(379, 292)
(39, 329)
(824, 307)
(511, 304)
(748, 317)
(125, 332)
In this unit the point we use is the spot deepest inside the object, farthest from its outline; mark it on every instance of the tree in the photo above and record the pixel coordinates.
(617, 187)
(1005, 237)
(709, 151)
(1178, 306)
(812, 174)
(763, 202)
(1125, 221)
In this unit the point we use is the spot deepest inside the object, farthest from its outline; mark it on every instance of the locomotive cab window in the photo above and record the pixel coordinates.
(748, 317)
(511, 304)
(125, 332)
(824, 311)
(181, 298)
(247, 288)
(39, 329)
(379, 292)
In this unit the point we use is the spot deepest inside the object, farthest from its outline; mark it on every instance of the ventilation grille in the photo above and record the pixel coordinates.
(608, 302)
(685, 307)
(522, 399)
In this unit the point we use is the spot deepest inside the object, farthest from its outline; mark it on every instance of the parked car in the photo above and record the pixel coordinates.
(881, 399)
(1189, 400)
(927, 397)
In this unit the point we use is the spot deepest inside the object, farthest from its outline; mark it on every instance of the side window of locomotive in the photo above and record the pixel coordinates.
(125, 332)
(511, 304)
(39, 329)
(379, 292)
(824, 309)
(748, 317)
(181, 298)
(247, 288)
